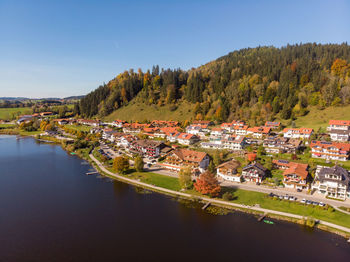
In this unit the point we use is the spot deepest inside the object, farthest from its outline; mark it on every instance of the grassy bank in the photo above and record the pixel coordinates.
(156, 180)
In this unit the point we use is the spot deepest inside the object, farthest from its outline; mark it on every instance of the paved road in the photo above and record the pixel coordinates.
(283, 191)
(214, 201)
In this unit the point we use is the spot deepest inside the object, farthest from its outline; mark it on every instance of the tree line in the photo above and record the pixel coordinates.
(255, 84)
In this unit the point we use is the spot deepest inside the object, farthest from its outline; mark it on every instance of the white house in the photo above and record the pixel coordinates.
(228, 171)
(332, 182)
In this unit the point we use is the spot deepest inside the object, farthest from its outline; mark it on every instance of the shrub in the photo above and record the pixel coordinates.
(227, 196)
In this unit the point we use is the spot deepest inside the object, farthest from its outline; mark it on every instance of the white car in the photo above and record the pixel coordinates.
(303, 201)
(291, 198)
(321, 204)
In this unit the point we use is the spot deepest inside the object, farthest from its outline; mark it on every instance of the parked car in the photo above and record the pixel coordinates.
(286, 197)
(291, 198)
(303, 201)
(321, 204)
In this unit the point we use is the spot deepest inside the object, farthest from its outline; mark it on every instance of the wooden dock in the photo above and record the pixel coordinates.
(92, 173)
(206, 205)
(262, 217)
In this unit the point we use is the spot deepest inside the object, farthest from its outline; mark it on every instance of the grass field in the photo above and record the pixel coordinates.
(157, 180)
(142, 112)
(252, 198)
(7, 125)
(11, 113)
(79, 128)
(320, 118)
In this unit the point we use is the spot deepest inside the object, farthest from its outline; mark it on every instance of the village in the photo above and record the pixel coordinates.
(292, 161)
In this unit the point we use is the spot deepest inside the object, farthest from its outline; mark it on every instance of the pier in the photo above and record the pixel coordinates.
(91, 173)
(206, 205)
(262, 217)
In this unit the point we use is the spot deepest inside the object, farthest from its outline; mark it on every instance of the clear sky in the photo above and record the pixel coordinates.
(61, 48)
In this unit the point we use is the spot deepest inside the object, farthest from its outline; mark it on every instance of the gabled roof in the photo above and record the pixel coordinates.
(274, 124)
(186, 136)
(256, 166)
(335, 170)
(297, 169)
(339, 122)
(259, 129)
(232, 164)
(326, 144)
(189, 155)
(241, 127)
(302, 130)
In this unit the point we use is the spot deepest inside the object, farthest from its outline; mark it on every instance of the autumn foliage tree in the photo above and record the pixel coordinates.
(121, 164)
(185, 178)
(208, 184)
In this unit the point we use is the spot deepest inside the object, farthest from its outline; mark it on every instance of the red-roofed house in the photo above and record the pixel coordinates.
(339, 130)
(118, 123)
(303, 133)
(180, 158)
(339, 124)
(259, 131)
(330, 150)
(273, 125)
(187, 139)
(241, 130)
(295, 175)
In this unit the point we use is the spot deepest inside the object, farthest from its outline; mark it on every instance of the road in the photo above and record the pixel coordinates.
(213, 201)
(283, 191)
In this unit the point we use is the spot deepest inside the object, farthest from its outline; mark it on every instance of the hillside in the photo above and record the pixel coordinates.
(141, 112)
(254, 84)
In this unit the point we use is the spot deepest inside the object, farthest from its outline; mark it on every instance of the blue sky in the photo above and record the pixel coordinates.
(63, 48)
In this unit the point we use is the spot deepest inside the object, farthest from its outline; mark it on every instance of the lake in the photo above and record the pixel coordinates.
(50, 210)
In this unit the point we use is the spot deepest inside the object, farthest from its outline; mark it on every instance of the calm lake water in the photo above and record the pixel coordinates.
(50, 210)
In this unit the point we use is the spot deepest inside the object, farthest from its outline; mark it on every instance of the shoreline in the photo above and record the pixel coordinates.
(284, 216)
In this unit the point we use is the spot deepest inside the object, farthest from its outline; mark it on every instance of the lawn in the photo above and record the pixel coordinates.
(142, 112)
(7, 125)
(157, 180)
(319, 118)
(251, 198)
(11, 113)
(80, 128)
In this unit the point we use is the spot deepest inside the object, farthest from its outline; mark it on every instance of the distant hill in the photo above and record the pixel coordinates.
(39, 99)
(252, 84)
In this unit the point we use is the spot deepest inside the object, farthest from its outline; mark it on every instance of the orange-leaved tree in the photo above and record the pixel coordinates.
(207, 184)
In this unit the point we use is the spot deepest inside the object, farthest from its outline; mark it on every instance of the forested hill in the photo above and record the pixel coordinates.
(255, 84)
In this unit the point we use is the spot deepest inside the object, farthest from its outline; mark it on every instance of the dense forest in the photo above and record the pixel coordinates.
(256, 84)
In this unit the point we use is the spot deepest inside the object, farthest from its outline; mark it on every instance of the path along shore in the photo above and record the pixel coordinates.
(213, 201)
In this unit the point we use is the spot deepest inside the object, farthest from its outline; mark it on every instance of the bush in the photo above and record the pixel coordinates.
(330, 209)
(227, 196)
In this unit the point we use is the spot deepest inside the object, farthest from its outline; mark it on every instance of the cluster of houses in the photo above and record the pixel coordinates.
(26, 118)
(235, 136)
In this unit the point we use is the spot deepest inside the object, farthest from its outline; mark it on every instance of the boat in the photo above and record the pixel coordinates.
(268, 222)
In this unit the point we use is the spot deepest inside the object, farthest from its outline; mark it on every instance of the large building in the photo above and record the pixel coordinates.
(301, 133)
(332, 182)
(330, 150)
(180, 158)
(339, 130)
(149, 148)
